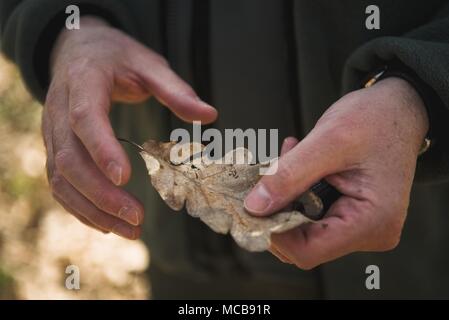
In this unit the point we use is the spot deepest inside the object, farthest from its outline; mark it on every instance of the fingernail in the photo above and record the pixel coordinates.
(114, 173)
(123, 230)
(259, 200)
(130, 215)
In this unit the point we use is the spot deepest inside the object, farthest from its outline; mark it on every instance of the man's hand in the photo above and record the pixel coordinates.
(365, 145)
(92, 67)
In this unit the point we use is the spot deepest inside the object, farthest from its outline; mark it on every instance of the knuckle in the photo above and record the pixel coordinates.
(98, 150)
(285, 172)
(75, 69)
(57, 185)
(344, 136)
(78, 114)
(56, 181)
(102, 200)
(79, 66)
(147, 57)
(63, 160)
(282, 181)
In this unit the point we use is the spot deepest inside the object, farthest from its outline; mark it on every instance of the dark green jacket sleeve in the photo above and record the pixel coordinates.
(28, 29)
(424, 50)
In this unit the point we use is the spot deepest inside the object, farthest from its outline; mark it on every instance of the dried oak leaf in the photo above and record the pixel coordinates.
(215, 193)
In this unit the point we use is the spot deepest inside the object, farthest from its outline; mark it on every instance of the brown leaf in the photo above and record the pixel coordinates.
(215, 193)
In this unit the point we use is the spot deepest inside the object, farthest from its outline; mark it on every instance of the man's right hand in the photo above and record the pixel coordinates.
(91, 68)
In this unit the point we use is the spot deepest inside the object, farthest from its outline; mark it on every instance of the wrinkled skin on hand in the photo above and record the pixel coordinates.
(91, 68)
(366, 145)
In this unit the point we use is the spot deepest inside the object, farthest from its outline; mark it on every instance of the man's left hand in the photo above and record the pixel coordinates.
(365, 145)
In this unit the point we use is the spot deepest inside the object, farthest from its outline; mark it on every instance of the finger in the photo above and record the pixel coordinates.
(344, 230)
(74, 164)
(288, 144)
(315, 157)
(89, 103)
(78, 216)
(72, 161)
(171, 90)
(87, 213)
(50, 168)
(73, 202)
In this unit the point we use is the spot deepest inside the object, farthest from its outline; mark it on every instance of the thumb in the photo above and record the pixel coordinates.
(313, 158)
(169, 89)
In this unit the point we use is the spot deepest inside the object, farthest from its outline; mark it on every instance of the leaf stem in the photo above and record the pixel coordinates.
(138, 146)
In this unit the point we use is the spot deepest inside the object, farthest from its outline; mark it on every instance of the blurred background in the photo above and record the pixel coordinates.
(38, 239)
